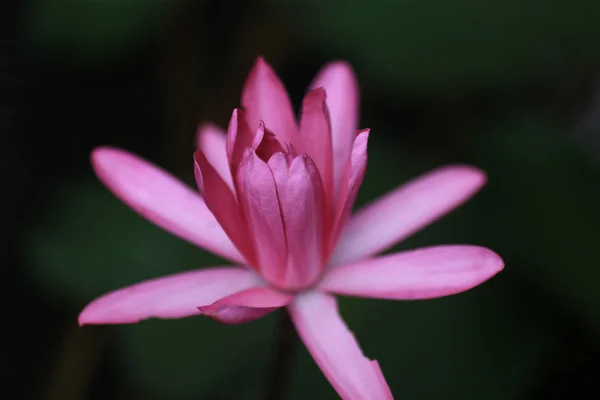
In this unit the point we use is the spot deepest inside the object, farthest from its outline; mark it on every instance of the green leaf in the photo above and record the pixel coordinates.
(88, 242)
(428, 44)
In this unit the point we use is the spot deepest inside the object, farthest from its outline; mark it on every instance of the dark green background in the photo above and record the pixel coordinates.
(508, 86)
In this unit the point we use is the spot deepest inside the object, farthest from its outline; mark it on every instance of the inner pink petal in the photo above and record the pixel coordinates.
(315, 137)
(258, 198)
(339, 81)
(223, 204)
(265, 99)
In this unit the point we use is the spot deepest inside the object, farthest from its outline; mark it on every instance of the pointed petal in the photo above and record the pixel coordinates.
(265, 98)
(418, 274)
(340, 84)
(162, 199)
(246, 305)
(174, 296)
(211, 140)
(304, 220)
(355, 174)
(315, 133)
(239, 138)
(223, 204)
(258, 198)
(335, 350)
(400, 213)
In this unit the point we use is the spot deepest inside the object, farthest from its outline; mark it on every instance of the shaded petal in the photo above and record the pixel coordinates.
(247, 305)
(339, 81)
(265, 98)
(304, 219)
(268, 145)
(258, 197)
(315, 133)
(335, 350)
(400, 213)
(162, 199)
(223, 204)
(211, 140)
(174, 296)
(418, 274)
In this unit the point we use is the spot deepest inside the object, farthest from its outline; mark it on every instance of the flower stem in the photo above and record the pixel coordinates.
(282, 358)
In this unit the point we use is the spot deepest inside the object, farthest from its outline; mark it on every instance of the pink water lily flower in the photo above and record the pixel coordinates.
(276, 198)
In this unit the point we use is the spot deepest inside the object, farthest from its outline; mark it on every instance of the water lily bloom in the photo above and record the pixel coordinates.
(276, 200)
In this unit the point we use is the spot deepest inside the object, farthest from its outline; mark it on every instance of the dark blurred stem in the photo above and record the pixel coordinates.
(282, 357)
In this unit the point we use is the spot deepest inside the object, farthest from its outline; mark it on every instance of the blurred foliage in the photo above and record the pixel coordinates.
(93, 29)
(542, 180)
(438, 44)
(425, 67)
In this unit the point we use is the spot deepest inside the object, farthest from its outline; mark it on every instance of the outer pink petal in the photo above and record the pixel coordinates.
(265, 98)
(419, 274)
(304, 217)
(223, 204)
(162, 199)
(315, 133)
(405, 210)
(211, 140)
(174, 296)
(340, 83)
(258, 197)
(247, 305)
(335, 349)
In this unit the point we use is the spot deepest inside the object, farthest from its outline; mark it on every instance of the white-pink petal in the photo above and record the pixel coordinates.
(335, 350)
(162, 199)
(174, 296)
(211, 140)
(414, 275)
(400, 213)
(246, 305)
(340, 84)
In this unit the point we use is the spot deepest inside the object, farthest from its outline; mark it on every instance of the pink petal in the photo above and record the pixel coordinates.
(174, 296)
(354, 177)
(418, 274)
(405, 210)
(239, 138)
(340, 83)
(268, 145)
(258, 197)
(223, 204)
(303, 210)
(211, 140)
(265, 98)
(162, 199)
(247, 305)
(315, 132)
(335, 349)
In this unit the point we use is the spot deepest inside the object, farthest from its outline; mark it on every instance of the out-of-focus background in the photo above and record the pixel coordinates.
(510, 86)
